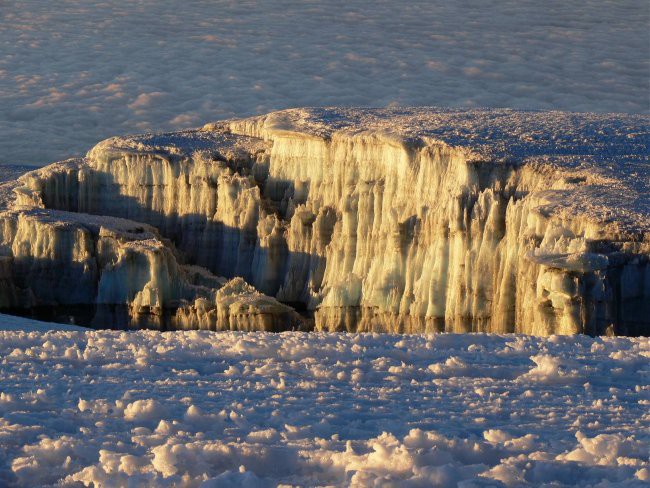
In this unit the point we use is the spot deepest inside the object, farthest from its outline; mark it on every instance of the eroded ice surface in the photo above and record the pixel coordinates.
(401, 220)
(57, 258)
(197, 408)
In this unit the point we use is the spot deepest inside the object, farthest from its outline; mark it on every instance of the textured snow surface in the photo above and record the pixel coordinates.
(258, 409)
(502, 134)
(89, 69)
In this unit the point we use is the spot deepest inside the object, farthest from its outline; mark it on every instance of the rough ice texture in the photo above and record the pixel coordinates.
(195, 408)
(400, 220)
(50, 257)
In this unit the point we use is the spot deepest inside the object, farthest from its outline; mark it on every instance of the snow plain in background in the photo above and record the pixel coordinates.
(258, 409)
(76, 72)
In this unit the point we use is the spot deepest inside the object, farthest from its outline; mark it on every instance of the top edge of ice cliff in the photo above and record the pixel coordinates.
(568, 139)
(607, 154)
(490, 134)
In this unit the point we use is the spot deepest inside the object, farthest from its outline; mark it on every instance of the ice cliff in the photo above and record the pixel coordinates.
(400, 220)
(50, 257)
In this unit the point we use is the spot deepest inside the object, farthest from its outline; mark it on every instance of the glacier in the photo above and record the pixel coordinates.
(397, 220)
(62, 258)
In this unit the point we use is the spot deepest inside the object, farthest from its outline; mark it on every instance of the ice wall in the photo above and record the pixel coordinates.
(428, 239)
(389, 227)
(53, 258)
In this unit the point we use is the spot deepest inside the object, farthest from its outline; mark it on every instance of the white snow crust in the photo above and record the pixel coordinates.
(199, 408)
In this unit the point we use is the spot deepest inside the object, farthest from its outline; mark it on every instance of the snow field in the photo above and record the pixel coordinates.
(198, 408)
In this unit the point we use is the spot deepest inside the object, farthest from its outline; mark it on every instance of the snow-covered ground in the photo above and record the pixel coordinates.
(14, 323)
(88, 69)
(258, 409)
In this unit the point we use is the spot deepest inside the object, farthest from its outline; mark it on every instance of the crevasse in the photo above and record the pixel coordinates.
(376, 224)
